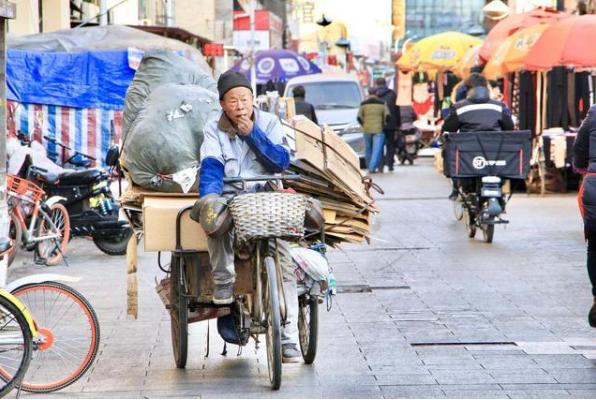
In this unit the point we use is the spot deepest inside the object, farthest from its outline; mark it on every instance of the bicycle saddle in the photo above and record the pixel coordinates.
(44, 175)
(5, 244)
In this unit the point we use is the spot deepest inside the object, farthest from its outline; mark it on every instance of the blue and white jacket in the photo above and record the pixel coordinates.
(224, 153)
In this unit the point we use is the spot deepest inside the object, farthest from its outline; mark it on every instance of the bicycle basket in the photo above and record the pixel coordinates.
(268, 215)
(23, 189)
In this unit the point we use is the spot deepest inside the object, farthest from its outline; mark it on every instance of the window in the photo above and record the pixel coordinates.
(329, 95)
(427, 17)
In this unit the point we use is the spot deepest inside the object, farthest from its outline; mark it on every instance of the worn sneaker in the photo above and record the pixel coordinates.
(223, 293)
(454, 195)
(290, 353)
(592, 315)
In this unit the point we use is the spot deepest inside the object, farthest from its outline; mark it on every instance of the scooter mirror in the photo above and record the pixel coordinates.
(113, 155)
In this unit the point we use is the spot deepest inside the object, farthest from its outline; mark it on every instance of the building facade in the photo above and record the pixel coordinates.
(209, 19)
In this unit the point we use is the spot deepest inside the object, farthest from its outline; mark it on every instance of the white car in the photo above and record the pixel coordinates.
(336, 98)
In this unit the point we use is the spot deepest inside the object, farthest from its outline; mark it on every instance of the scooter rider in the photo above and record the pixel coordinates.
(242, 141)
(477, 113)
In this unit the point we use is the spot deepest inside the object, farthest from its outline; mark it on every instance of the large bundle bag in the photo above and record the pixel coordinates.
(161, 151)
(158, 68)
(474, 154)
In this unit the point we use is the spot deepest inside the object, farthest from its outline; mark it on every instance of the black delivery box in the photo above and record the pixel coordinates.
(474, 154)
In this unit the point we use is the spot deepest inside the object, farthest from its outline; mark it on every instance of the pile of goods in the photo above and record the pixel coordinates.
(330, 171)
(165, 111)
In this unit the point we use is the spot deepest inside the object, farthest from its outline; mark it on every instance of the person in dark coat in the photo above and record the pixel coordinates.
(302, 107)
(391, 127)
(478, 112)
(585, 160)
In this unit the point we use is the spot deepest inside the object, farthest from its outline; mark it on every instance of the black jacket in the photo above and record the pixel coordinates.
(389, 97)
(306, 109)
(585, 143)
(478, 113)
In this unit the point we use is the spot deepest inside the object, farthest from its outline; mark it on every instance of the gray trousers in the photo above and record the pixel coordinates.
(221, 254)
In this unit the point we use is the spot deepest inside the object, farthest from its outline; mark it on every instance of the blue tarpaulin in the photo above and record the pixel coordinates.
(85, 79)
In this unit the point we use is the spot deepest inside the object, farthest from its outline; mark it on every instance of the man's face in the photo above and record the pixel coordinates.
(237, 102)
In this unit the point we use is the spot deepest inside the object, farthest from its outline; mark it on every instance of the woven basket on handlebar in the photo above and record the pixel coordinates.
(268, 215)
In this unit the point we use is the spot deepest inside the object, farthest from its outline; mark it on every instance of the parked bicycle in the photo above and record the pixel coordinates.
(38, 224)
(49, 333)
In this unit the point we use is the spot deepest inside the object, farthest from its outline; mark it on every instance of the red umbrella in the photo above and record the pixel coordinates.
(512, 24)
(569, 42)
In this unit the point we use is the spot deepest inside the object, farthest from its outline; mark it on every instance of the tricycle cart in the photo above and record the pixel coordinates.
(259, 305)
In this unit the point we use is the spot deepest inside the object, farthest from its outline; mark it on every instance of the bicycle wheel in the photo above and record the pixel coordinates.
(52, 250)
(273, 320)
(70, 329)
(15, 233)
(15, 346)
(178, 312)
(308, 327)
(458, 208)
(488, 232)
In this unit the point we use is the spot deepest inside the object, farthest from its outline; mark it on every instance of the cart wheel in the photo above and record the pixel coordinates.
(488, 231)
(273, 321)
(458, 208)
(178, 312)
(308, 328)
(470, 223)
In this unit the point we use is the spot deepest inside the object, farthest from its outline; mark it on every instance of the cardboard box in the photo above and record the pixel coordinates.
(159, 223)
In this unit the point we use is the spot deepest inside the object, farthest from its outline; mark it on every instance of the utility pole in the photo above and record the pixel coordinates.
(103, 12)
(253, 55)
(560, 5)
(7, 11)
(169, 11)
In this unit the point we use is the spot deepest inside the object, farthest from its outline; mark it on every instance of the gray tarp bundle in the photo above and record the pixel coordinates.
(156, 69)
(165, 112)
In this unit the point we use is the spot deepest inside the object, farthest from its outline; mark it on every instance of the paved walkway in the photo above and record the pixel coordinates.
(422, 312)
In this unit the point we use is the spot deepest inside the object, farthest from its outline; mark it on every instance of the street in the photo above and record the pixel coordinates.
(421, 312)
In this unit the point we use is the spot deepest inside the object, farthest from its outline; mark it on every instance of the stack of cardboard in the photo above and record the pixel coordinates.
(330, 171)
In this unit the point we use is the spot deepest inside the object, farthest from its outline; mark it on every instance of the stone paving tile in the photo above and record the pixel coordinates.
(405, 379)
(563, 361)
(574, 375)
(521, 376)
(462, 377)
(413, 392)
(539, 394)
(348, 391)
(582, 393)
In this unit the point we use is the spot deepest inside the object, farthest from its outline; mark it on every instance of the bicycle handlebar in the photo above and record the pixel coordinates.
(59, 143)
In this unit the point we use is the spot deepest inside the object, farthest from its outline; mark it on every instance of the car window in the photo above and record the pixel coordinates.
(328, 95)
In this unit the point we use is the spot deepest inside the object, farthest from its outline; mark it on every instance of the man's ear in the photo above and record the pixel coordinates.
(221, 103)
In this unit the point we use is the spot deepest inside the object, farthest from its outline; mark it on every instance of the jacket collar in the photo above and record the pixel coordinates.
(478, 94)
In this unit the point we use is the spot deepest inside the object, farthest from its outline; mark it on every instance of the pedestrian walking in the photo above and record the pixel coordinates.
(373, 115)
(585, 161)
(392, 125)
(302, 106)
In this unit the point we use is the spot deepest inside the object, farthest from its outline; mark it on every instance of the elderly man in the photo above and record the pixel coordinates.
(242, 141)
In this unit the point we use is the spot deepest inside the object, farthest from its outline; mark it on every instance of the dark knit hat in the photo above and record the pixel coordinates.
(229, 80)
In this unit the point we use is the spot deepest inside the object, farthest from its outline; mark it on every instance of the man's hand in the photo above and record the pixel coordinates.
(245, 125)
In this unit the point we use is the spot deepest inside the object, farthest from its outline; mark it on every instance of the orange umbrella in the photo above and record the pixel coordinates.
(468, 61)
(511, 54)
(569, 42)
(512, 24)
